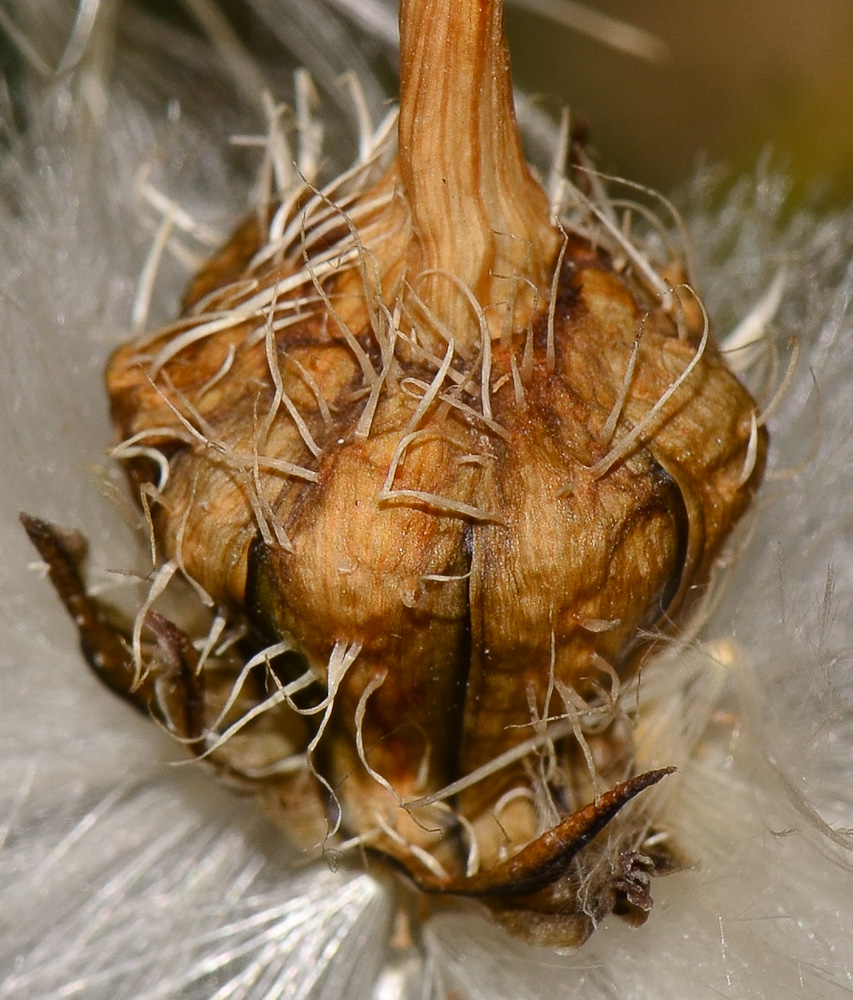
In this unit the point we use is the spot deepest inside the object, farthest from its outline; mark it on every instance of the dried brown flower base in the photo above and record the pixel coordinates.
(447, 462)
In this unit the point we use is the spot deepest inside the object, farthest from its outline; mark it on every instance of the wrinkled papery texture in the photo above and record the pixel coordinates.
(739, 925)
(458, 460)
(461, 653)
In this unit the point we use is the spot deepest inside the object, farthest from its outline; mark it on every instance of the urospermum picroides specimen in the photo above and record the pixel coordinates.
(446, 457)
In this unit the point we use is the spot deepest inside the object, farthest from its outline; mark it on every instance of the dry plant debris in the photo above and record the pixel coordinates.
(440, 454)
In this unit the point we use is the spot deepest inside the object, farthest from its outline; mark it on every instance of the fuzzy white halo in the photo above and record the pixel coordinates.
(122, 876)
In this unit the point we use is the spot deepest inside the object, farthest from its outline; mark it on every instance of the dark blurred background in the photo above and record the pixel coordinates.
(742, 77)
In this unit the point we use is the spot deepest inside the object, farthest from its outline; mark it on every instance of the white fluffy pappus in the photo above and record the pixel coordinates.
(123, 877)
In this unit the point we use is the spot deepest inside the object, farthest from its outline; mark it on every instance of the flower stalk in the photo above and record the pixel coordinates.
(478, 214)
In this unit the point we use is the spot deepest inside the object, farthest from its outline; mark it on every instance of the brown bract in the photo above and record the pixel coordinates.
(452, 461)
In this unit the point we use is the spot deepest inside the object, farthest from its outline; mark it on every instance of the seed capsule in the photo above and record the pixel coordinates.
(450, 462)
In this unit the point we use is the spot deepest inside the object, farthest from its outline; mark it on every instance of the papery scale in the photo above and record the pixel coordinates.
(457, 541)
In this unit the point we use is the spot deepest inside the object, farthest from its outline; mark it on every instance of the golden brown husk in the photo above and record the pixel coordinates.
(423, 483)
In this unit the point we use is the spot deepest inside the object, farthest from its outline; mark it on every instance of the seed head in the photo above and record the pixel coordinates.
(451, 459)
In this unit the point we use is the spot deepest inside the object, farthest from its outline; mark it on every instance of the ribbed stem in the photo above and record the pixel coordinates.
(477, 212)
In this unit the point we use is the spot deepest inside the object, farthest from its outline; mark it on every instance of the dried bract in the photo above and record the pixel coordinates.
(448, 459)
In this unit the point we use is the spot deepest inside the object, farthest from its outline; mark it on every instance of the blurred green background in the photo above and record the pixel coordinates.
(743, 76)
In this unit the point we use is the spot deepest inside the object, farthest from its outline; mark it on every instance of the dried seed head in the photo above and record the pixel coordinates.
(453, 460)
